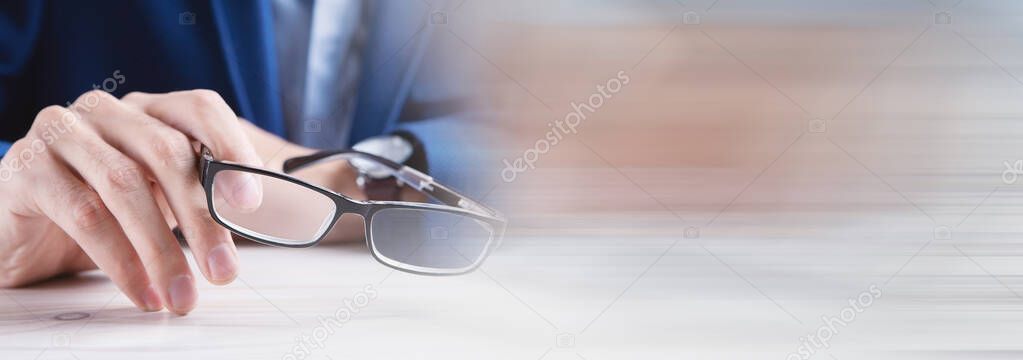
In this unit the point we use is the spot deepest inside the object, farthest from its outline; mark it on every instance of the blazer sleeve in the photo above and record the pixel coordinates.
(460, 152)
(19, 27)
(446, 109)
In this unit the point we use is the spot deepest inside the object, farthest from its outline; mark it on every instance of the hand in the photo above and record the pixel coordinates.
(84, 189)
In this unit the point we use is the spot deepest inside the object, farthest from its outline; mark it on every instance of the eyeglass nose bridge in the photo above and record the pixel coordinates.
(347, 205)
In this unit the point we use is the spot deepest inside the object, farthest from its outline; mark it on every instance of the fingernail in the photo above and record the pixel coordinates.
(182, 294)
(247, 193)
(223, 263)
(151, 299)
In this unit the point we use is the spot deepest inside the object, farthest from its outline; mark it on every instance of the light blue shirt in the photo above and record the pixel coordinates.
(318, 69)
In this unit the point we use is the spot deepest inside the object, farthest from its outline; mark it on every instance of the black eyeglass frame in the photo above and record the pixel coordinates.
(456, 203)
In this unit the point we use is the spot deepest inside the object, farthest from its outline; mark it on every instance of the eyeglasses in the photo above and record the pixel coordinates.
(421, 238)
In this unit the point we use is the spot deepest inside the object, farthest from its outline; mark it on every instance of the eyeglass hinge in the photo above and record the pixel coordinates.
(415, 178)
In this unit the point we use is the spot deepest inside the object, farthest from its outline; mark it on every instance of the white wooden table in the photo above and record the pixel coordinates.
(739, 296)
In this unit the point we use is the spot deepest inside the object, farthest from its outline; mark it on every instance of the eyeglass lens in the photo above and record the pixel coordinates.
(289, 213)
(429, 239)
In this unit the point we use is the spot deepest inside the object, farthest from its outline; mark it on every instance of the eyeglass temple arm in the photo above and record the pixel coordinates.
(405, 174)
(297, 163)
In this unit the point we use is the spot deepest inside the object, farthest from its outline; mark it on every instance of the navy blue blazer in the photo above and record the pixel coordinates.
(51, 52)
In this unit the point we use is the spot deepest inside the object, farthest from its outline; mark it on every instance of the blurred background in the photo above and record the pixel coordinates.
(766, 162)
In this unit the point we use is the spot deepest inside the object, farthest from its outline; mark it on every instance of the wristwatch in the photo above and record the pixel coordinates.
(377, 181)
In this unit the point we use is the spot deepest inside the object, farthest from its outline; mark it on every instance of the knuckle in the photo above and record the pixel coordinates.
(208, 105)
(16, 146)
(122, 174)
(205, 236)
(132, 96)
(27, 161)
(197, 224)
(166, 253)
(51, 116)
(125, 179)
(11, 164)
(204, 98)
(50, 112)
(201, 223)
(95, 98)
(88, 211)
(20, 145)
(173, 150)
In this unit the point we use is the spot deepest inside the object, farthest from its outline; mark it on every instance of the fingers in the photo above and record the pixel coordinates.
(203, 115)
(168, 155)
(121, 153)
(79, 211)
(121, 182)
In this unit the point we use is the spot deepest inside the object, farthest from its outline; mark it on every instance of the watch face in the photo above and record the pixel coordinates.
(390, 147)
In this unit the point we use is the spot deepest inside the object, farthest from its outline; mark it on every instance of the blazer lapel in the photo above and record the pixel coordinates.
(247, 39)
